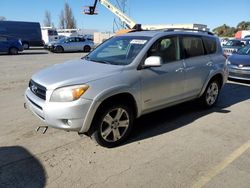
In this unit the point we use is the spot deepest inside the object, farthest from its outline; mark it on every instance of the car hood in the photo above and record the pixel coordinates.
(237, 59)
(73, 73)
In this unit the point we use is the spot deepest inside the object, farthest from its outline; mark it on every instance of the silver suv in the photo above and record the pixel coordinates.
(126, 77)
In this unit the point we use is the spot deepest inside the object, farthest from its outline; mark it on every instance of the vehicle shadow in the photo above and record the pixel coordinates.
(169, 119)
(240, 81)
(33, 53)
(24, 53)
(19, 168)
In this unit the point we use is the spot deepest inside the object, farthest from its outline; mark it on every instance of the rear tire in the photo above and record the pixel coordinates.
(13, 51)
(211, 94)
(112, 125)
(86, 49)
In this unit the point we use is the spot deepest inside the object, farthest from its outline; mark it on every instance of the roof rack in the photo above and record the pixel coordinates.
(187, 29)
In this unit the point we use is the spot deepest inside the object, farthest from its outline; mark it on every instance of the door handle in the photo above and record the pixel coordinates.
(179, 69)
(209, 64)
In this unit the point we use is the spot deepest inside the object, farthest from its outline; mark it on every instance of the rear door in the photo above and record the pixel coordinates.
(197, 64)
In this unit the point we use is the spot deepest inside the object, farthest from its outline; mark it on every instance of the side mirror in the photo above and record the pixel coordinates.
(153, 61)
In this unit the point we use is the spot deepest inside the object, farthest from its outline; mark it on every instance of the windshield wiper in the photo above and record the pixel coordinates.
(99, 61)
(85, 57)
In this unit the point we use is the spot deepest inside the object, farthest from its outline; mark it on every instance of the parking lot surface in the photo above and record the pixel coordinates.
(181, 146)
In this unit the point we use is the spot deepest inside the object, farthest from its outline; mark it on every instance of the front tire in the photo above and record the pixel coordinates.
(211, 94)
(113, 125)
(59, 49)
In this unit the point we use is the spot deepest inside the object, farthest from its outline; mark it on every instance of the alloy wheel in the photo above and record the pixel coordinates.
(212, 93)
(114, 125)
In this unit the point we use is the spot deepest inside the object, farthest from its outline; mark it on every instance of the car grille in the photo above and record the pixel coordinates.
(229, 50)
(233, 74)
(37, 89)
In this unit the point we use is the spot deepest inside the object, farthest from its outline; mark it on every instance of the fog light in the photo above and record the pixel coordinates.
(67, 122)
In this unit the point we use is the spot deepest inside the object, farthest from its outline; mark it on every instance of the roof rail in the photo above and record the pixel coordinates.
(187, 29)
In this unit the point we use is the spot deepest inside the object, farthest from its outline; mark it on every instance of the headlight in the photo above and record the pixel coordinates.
(68, 94)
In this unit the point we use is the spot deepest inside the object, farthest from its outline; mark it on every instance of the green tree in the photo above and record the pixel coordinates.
(225, 31)
(243, 25)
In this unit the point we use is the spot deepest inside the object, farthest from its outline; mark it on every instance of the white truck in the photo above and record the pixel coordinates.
(49, 34)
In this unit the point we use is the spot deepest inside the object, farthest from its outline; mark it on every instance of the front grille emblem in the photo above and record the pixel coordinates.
(34, 88)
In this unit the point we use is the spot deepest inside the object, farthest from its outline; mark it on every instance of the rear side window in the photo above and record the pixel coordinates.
(192, 46)
(210, 45)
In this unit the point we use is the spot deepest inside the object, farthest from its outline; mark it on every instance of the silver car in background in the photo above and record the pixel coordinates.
(126, 77)
(239, 64)
(71, 44)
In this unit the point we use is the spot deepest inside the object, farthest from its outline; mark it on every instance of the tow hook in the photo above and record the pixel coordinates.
(25, 105)
(45, 128)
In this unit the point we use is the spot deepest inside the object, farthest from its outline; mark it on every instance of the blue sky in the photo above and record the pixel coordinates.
(212, 13)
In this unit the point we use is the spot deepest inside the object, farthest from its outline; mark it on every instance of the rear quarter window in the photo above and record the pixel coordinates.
(210, 45)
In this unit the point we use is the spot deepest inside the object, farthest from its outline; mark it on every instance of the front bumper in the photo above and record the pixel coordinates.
(68, 116)
(239, 73)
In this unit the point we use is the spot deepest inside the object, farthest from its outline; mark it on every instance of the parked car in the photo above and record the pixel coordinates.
(239, 64)
(28, 32)
(223, 41)
(101, 94)
(233, 45)
(70, 44)
(10, 45)
(49, 45)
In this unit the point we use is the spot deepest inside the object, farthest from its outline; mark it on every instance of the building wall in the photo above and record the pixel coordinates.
(100, 37)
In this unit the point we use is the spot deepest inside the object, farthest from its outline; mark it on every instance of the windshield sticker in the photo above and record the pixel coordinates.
(137, 41)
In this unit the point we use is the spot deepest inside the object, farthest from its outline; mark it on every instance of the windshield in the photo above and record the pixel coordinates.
(61, 40)
(229, 43)
(244, 51)
(120, 50)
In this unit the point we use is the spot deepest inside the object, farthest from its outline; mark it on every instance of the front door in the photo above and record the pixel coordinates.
(163, 85)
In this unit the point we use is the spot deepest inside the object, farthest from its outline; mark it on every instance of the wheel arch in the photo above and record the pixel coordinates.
(11, 47)
(217, 76)
(126, 97)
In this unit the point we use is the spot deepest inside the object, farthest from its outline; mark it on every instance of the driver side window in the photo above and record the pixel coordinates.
(167, 48)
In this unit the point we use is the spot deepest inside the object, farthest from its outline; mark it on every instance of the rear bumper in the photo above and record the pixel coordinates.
(68, 116)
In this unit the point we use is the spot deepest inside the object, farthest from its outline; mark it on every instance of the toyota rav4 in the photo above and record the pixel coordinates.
(126, 77)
